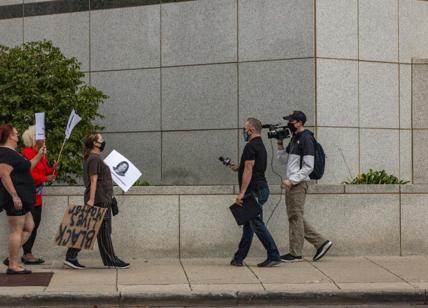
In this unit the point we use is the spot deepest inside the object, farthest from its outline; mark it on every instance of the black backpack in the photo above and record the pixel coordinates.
(319, 159)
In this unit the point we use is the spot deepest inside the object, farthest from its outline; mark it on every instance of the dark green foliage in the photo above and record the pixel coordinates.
(36, 77)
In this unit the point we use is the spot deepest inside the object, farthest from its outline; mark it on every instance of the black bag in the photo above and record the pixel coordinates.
(114, 207)
(319, 159)
(249, 209)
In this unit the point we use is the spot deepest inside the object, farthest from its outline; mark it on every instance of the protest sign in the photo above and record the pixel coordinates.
(40, 126)
(123, 172)
(73, 120)
(80, 226)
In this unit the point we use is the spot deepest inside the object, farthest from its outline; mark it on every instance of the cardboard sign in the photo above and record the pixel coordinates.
(73, 120)
(123, 172)
(80, 226)
(40, 126)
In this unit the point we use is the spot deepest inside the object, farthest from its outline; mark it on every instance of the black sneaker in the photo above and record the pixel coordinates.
(6, 261)
(322, 250)
(74, 264)
(118, 263)
(235, 262)
(269, 263)
(290, 258)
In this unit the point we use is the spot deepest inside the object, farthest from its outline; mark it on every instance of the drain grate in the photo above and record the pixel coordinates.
(31, 280)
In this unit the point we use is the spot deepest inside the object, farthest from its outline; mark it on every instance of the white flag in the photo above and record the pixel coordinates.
(72, 122)
(40, 126)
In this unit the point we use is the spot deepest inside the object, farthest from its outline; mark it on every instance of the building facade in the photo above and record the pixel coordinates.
(182, 77)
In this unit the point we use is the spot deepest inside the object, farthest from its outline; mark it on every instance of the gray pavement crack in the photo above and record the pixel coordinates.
(255, 275)
(328, 277)
(185, 274)
(117, 280)
(391, 272)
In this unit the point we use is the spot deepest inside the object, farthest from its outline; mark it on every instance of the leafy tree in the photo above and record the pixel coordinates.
(37, 77)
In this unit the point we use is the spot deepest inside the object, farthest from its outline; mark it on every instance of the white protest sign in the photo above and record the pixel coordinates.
(123, 172)
(40, 126)
(72, 122)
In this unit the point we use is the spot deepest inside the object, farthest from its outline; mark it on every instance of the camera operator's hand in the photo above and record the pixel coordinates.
(286, 184)
(280, 144)
(234, 167)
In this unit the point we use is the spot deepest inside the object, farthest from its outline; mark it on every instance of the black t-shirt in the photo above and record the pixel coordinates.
(21, 177)
(254, 150)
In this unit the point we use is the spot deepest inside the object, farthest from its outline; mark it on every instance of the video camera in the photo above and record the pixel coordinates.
(277, 131)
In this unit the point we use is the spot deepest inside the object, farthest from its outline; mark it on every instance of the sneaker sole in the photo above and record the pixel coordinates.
(121, 267)
(292, 261)
(71, 265)
(323, 251)
(273, 264)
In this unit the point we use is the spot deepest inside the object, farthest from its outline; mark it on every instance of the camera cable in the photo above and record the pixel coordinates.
(280, 177)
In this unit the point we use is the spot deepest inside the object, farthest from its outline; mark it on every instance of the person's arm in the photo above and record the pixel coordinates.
(37, 158)
(246, 179)
(5, 171)
(93, 190)
(308, 161)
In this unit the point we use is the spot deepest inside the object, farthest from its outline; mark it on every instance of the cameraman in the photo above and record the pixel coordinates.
(298, 158)
(252, 180)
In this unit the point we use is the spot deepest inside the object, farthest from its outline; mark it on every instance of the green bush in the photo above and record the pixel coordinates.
(37, 77)
(376, 177)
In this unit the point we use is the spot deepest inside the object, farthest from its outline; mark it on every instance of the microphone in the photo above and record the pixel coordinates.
(226, 161)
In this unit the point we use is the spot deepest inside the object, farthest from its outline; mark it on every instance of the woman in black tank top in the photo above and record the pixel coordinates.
(17, 194)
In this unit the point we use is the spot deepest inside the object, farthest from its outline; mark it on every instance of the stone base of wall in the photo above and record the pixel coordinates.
(194, 221)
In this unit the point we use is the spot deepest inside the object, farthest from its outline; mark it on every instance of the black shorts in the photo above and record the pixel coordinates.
(11, 211)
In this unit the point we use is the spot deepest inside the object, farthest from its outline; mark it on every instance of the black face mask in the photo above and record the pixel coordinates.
(102, 146)
(291, 127)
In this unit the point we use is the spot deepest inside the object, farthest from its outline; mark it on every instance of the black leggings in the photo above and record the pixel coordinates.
(105, 244)
(37, 217)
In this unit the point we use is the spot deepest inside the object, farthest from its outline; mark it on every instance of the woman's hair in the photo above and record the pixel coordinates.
(89, 144)
(29, 136)
(119, 165)
(5, 131)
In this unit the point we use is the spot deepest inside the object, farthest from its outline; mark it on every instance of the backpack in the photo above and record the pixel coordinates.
(319, 159)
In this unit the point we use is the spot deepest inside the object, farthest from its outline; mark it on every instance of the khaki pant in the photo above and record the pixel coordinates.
(299, 229)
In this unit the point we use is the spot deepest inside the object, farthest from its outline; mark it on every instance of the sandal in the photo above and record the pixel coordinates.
(10, 271)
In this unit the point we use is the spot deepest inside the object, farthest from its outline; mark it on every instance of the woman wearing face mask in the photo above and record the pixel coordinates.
(98, 192)
(42, 174)
(17, 194)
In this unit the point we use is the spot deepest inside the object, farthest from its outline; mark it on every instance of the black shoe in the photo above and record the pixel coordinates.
(235, 262)
(322, 250)
(35, 262)
(74, 264)
(118, 263)
(6, 261)
(290, 258)
(269, 263)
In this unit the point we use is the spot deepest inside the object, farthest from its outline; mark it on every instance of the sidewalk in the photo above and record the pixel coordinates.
(214, 281)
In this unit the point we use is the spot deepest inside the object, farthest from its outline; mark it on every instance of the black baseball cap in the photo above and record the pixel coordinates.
(297, 116)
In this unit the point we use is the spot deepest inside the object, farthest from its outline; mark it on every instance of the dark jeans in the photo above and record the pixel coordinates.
(257, 226)
(37, 217)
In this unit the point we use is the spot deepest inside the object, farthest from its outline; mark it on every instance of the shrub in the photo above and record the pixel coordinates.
(37, 77)
(375, 177)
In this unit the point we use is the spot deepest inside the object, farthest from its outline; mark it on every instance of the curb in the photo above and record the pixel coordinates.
(232, 298)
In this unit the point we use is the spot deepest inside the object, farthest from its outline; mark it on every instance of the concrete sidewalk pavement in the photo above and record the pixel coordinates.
(213, 281)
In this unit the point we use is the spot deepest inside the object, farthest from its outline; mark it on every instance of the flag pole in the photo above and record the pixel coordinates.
(60, 152)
